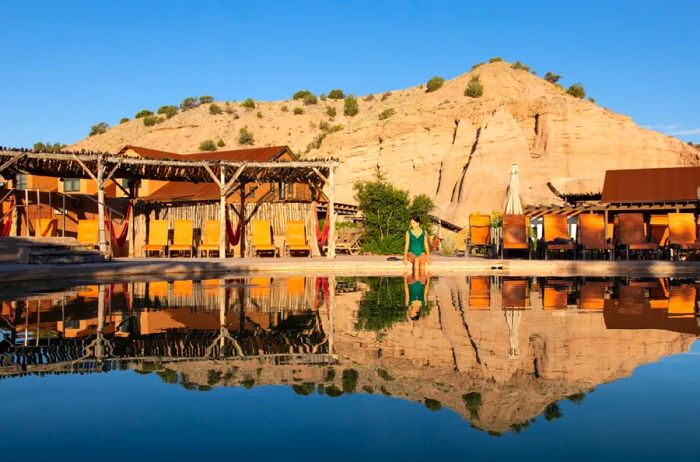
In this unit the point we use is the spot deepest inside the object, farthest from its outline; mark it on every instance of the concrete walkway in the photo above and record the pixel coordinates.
(180, 268)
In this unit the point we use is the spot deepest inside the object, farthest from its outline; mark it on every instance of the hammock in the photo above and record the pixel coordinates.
(7, 226)
(121, 239)
(233, 236)
(322, 236)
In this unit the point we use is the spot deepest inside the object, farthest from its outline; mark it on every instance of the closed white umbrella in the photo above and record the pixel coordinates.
(513, 204)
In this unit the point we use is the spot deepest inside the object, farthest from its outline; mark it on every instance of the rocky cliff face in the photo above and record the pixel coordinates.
(456, 149)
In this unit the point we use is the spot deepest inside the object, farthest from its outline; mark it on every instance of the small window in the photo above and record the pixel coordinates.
(71, 185)
(282, 190)
(21, 182)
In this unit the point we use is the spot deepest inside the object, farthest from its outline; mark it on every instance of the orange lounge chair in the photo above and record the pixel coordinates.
(633, 236)
(479, 293)
(591, 229)
(182, 238)
(157, 238)
(515, 294)
(262, 238)
(479, 233)
(296, 239)
(45, 227)
(681, 301)
(658, 229)
(515, 234)
(210, 243)
(556, 235)
(682, 233)
(88, 233)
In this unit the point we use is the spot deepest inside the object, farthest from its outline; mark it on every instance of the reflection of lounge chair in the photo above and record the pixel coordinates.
(515, 234)
(157, 238)
(158, 289)
(659, 295)
(45, 227)
(591, 229)
(479, 233)
(182, 238)
(632, 234)
(682, 233)
(681, 303)
(555, 295)
(479, 293)
(262, 238)
(515, 293)
(556, 235)
(632, 299)
(210, 243)
(296, 239)
(88, 233)
(593, 296)
(182, 288)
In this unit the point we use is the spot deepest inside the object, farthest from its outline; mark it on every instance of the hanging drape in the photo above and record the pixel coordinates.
(322, 236)
(234, 236)
(121, 239)
(7, 225)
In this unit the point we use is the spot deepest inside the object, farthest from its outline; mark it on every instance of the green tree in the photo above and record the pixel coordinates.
(381, 306)
(245, 137)
(475, 88)
(215, 109)
(432, 404)
(576, 90)
(143, 113)
(472, 402)
(206, 99)
(151, 120)
(48, 147)
(350, 377)
(168, 111)
(248, 103)
(336, 93)
(434, 84)
(551, 77)
(99, 128)
(207, 145)
(301, 94)
(552, 412)
(310, 99)
(350, 108)
(189, 103)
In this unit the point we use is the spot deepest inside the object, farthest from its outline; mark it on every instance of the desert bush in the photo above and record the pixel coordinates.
(301, 94)
(206, 99)
(310, 99)
(322, 97)
(369, 97)
(336, 93)
(386, 96)
(474, 66)
(259, 115)
(248, 103)
(99, 128)
(215, 109)
(123, 120)
(432, 404)
(475, 88)
(323, 125)
(316, 142)
(330, 111)
(245, 137)
(386, 113)
(285, 108)
(495, 59)
(207, 145)
(434, 84)
(449, 245)
(151, 120)
(350, 108)
(576, 90)
(520, 66)
(591, 99)
(143, 113)
(189, 103)
(221, 143)
(48, 147)
(168, 111)
(298, 111)
(551, 77)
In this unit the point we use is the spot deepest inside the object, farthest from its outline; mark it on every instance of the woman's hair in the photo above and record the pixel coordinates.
(416, 218)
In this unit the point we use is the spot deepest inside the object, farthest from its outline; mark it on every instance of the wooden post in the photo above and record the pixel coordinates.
(99, 346)
(102, 235)
(331, 309)
(330, 212)
(222, 212)
(63, 216)
(244, 222)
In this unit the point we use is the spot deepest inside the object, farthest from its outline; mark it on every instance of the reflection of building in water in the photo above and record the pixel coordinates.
(499, 351)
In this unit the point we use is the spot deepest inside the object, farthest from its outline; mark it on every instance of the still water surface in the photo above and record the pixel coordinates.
(451, 368)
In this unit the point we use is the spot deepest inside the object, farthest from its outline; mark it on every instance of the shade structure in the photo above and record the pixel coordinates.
(513, 204)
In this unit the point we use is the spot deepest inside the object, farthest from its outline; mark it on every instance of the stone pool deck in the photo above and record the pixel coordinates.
(179, 268)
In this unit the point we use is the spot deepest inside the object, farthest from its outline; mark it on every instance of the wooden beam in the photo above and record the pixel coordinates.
(213, 175)
(12, 161)
(114, 169)
(85, 167)
(229, 185)
(320, 175)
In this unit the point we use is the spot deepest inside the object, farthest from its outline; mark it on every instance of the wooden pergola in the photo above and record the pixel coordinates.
(229, 176)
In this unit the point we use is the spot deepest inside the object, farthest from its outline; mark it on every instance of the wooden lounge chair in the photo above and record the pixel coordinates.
(515, 294)
(88, 233)
(681, 301)
(347, 240)
(45, 227)
(296, 239)
(591, 229)
(479, 293)
(555, 295)
(632, 235)
(210, 243)
(556, 235)
(479, 233)
(262, 238)
(182, 238)
(516, 234)
(157, 238)
(682, 233)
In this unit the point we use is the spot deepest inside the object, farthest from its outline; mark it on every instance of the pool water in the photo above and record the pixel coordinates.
(371, 368)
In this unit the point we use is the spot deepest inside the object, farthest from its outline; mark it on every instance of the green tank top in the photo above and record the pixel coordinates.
(416, 291)
(416, 245)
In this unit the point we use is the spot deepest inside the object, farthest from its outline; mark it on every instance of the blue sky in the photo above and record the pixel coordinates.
(68, 65)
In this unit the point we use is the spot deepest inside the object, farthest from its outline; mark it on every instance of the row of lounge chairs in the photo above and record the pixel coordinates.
(673, 233)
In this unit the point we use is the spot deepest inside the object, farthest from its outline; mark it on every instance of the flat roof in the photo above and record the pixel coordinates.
(651, 185)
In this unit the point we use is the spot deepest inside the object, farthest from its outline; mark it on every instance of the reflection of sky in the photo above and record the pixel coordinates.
(127, 416)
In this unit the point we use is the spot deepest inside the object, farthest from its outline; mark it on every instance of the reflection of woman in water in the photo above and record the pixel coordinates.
(416, 290)
(416, 249)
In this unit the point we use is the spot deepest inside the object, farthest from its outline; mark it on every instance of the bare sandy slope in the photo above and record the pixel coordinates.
(454, 148)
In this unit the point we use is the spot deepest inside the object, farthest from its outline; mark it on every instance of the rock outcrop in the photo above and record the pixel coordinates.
(454, 148)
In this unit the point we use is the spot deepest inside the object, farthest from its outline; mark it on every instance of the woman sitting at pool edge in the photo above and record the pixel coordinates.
(416, 249)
